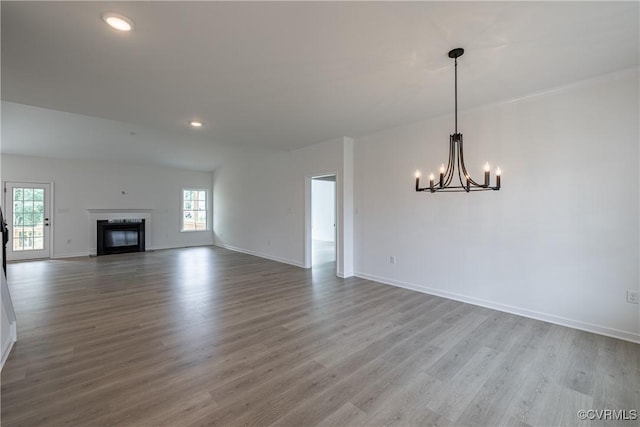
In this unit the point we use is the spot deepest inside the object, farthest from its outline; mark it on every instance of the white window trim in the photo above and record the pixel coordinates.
(208, 204)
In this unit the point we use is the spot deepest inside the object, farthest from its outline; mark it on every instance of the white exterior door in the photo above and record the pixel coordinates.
(28, 220)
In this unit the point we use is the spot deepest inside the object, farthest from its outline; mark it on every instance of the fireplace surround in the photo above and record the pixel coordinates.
(117, 236)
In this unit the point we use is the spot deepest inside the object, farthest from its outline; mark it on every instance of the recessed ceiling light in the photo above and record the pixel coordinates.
(195, 123)
(119, 22)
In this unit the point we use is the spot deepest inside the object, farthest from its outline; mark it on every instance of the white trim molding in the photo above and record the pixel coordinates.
(260, 255)
(9, 312)
(545, 317)
(7, 346)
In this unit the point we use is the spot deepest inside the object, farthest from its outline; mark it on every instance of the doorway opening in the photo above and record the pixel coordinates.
(323, 220)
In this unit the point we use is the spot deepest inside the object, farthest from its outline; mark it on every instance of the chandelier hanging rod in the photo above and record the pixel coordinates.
(456, 156)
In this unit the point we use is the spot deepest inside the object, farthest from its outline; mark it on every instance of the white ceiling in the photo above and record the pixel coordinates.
(279, 75)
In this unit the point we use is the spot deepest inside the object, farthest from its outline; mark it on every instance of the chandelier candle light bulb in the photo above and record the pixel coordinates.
(455, 167)
(487, 170)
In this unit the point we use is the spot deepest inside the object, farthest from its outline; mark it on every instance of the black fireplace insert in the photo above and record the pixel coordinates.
(120, 236)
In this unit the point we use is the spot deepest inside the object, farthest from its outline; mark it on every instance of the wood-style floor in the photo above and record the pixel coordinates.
(205, 336)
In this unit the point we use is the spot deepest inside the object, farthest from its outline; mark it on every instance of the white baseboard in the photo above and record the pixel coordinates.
(92, 252)
(8, 345)
(260, 254)
(545, 317)
(71, 255)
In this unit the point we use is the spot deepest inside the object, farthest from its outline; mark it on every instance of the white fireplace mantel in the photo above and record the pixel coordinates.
(100, 212)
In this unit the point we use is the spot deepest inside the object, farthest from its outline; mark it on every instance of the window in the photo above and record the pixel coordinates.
(194, 210)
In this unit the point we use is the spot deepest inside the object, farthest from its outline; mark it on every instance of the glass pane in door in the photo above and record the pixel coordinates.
(28, 219)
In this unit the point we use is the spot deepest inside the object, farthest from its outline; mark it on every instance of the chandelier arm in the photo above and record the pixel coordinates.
(454, 157)
(450, 171)
(462, 165)
(447, 171)
(450, 163)
(464, 168)
(460, 170)
(459, 189)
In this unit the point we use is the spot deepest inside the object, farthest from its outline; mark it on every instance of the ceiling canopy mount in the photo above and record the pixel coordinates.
(456, 53)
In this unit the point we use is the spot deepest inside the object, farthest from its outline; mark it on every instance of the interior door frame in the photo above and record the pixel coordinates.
(50, 204)
(308, 241)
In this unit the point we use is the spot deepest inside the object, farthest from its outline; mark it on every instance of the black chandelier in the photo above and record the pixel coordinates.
(456, 166)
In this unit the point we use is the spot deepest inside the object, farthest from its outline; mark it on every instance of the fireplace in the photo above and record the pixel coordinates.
(117, 236)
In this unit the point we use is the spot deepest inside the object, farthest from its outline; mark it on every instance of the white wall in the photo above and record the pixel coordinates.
(8, 324)
(323, 215)
(559, 242)
(5, 332)
(260, 205)
(7, 321)
(80, 185)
